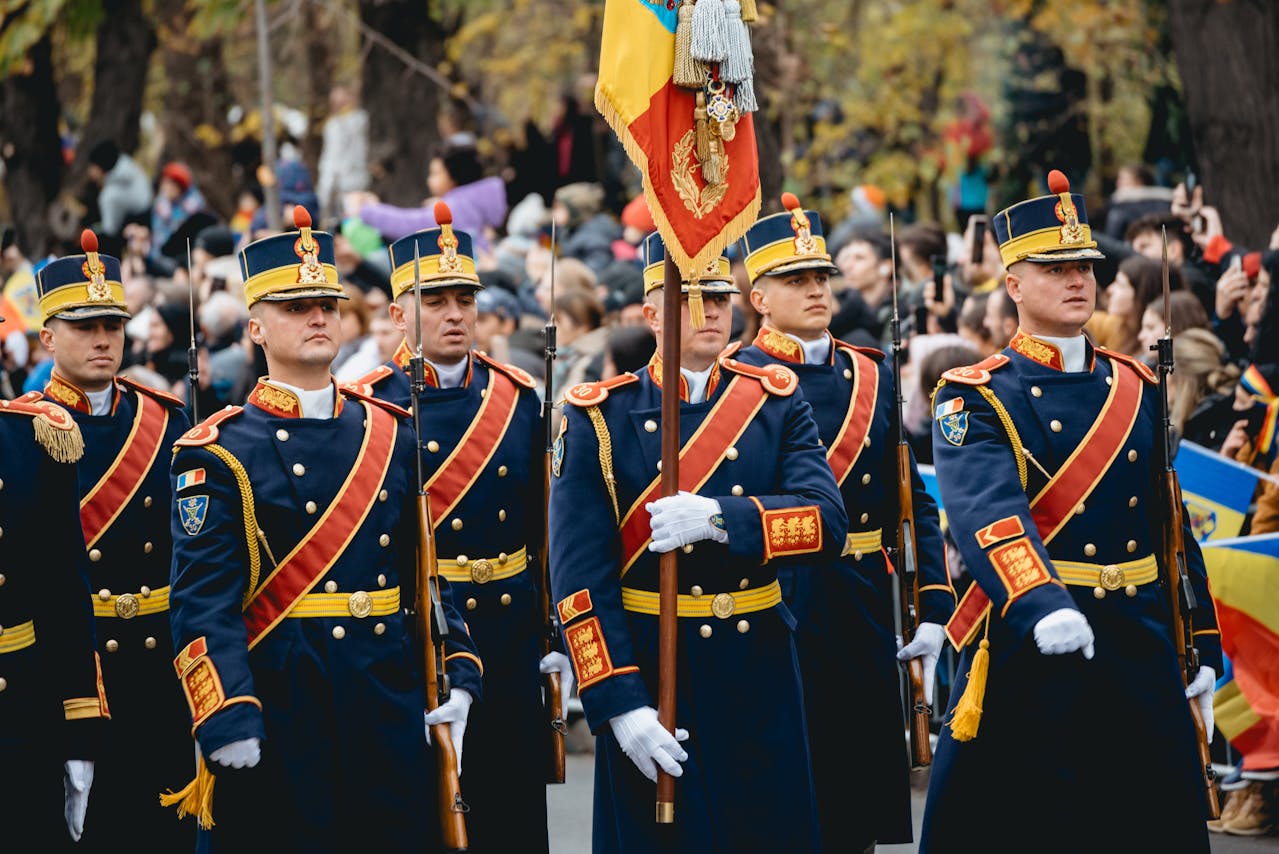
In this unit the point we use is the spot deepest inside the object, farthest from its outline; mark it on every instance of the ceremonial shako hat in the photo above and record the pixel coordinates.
(293, 265)
(787, 242)
(717, 278)
(1046, 229)
(78, 287)
(445, 257)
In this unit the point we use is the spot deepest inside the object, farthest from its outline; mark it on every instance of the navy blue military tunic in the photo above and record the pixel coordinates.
(747, 784)
(52, 703)
(486, 542)
(846, 634)
(337, 698)
(1036, 774)
(124, 475)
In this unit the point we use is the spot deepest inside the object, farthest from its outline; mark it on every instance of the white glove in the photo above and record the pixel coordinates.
(244, 753)
(647, 742)
(1202, 688)
(76, 780)
(557, 662)
(678, 520)
(453, 712)
(1064, 630)
(927, 644)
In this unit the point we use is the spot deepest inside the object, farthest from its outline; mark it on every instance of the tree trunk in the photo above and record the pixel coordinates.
(31, 148)
(768, 131)
(314, 45)
(1229, 71)
(402, 105)
(196, 100)
(125, 41)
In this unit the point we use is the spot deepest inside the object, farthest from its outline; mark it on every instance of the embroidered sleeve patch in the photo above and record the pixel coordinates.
(572, 607)
(191, 511)
(1019, 567)
(203, 689)
(950, 407)
(1004, 529)
(187, 479)
(791, 531)
(589, 652)
(954, 427)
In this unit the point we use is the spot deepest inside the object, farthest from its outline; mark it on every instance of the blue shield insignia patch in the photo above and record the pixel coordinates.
(191, 510)
(557, 454)
(954, 427)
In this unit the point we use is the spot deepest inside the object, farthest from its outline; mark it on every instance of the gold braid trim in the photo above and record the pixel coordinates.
(64, 445)
(250, 516)
(606, 457)
(1014, 438)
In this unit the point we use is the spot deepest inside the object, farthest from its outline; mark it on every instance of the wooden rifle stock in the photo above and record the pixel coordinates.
(451, 806)
(554, 699)
(1181, 597)
(1174, 568)
(907, 581)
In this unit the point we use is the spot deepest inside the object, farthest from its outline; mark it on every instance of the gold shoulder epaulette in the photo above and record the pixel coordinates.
(1142, 369)
(776, 379)
(162, 396)
(519, 376)
(871, 352)
(978, 374)
(55, 429)
(206, 432)
(593, 394)
(367, 396)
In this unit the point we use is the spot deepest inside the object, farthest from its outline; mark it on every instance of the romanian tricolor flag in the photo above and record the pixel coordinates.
(1216, 489)
(1244, 576)
(684, 118)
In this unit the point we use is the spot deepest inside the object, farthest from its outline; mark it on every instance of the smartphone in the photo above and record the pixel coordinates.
(1236, 263)
(939, 275)
(979, 237)
(1191, 180)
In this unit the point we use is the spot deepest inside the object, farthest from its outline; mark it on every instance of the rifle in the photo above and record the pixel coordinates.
(905, 574)
(1181, 596)
(428, 611)
(668, 565)
(193, 356)
(553, 699)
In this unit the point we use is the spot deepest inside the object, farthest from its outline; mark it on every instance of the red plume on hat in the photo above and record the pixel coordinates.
(301, 217)
(89, 243)
(791, 202)
(444, 219)
(1058, 183)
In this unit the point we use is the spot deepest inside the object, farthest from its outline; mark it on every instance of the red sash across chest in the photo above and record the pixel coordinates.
(117, 486)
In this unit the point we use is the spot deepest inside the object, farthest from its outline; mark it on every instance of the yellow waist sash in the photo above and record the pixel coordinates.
(482, 570)
(126, 606)
(721, 605)
(359, 604)
(1111, 576)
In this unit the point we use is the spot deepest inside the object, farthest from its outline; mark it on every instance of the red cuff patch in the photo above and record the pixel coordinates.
(204, 691)
(1019, 567)
(791, 531)
(589, 652)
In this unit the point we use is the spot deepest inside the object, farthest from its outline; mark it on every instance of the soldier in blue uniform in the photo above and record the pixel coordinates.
(293, 559)
(1048, 467)
(52, 702)
(129, 431)
(484, 459)
(758, 495)
(845, 610)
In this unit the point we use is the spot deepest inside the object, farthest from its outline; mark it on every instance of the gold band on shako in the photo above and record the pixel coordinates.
(1046, 228)
(78, 287)
(445, 257)
(787, 242)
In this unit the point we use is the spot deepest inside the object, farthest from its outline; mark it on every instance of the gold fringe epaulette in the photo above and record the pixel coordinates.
(55, 429)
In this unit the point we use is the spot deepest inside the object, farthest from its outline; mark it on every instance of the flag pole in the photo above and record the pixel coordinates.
(668, 567)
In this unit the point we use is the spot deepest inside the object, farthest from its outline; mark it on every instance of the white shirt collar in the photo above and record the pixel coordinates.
(100, 401)
(1072, 351)
(317, 403)
(450, 376)
(697, 381)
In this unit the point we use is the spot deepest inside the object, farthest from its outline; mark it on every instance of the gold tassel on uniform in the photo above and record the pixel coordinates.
(196, 798)
(696, 311)
(688, 73)
(749, 11)
(967, 716)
